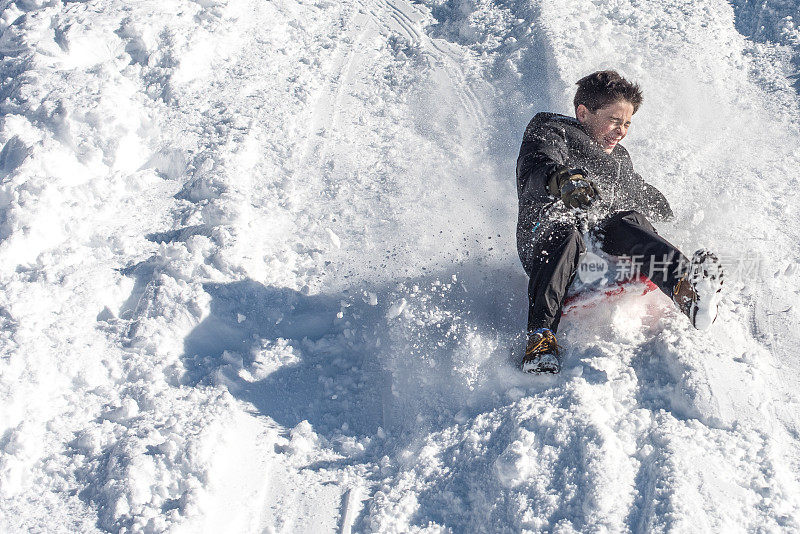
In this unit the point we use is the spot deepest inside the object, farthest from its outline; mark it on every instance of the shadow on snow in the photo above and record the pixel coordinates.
(352, 361)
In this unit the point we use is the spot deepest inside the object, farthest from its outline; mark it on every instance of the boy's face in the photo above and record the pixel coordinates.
(608, 125)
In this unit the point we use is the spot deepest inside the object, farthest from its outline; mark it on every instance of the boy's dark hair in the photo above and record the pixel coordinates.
(605, 87)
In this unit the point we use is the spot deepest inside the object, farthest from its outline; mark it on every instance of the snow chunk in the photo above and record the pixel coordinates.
(13, 155)
(515, 465)
(128, 408)
(303, 439)
(168, 162)
(334, 238)
(396, 309)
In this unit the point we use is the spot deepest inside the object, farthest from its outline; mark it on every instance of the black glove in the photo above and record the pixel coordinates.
(573, 187)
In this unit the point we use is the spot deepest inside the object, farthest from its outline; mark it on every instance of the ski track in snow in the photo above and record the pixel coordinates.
(258, 270)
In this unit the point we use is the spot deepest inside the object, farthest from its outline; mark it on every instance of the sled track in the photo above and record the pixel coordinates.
(449, 61)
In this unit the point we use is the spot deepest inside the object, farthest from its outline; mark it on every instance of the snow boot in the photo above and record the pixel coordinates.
(542, 353)
(698, 293)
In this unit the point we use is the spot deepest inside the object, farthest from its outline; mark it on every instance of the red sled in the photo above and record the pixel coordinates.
(588, 297)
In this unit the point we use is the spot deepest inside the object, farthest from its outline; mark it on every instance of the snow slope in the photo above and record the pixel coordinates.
(258, 270)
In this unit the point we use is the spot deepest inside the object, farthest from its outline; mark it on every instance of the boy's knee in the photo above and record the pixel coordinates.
(631, 218)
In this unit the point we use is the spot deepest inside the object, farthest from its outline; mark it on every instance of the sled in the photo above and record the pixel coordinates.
(587, 297)
(601, 280)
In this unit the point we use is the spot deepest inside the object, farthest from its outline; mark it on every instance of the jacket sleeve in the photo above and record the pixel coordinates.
(650, 201)
(544, 148)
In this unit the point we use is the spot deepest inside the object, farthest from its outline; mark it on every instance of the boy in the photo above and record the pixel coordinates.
(571, 170)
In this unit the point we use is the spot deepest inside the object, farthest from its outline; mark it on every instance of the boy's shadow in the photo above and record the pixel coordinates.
(327, 358)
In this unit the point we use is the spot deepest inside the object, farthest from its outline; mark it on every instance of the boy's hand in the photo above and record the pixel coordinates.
(572, 186)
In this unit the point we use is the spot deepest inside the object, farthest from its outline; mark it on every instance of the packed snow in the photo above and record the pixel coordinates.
(258, 270)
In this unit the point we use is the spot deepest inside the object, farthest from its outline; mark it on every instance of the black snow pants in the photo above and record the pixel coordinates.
(552, 261)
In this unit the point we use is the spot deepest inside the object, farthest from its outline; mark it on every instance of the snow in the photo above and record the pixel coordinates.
(258, 270)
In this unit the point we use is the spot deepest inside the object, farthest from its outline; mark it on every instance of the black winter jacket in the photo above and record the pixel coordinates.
(553, 140)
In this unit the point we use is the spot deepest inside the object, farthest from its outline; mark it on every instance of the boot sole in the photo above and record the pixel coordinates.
(538, 368)
(707, 270)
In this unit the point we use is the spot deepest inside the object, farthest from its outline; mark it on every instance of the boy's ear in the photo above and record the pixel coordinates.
(581, 112)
